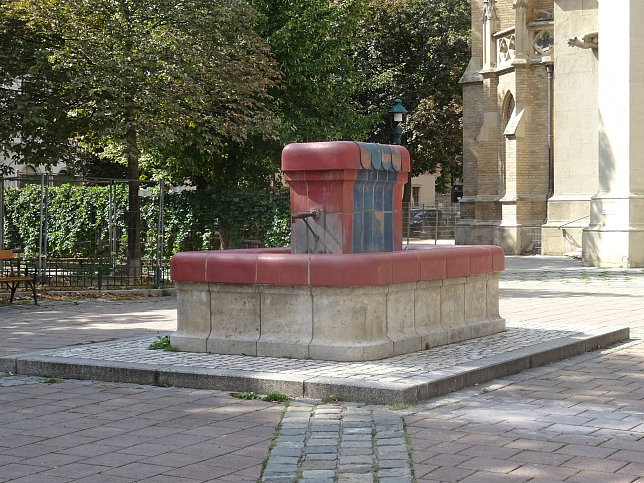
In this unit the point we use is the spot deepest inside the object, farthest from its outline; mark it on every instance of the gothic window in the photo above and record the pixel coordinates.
(543, 42)
(506, 48)
(507, 109)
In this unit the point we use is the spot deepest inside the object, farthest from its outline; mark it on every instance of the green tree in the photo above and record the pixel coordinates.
(418, 49)
(314, 43)
(119, 77)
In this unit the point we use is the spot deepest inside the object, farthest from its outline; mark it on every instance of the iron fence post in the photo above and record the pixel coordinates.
(1, 212)
(159, 273)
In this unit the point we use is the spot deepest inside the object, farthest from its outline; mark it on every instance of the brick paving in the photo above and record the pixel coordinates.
(92, 431)
(581, 419)
(25, 327)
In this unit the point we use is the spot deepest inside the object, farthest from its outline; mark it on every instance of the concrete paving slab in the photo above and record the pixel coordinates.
(409, 378)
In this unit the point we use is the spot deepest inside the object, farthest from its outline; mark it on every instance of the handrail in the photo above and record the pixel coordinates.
(570, 222)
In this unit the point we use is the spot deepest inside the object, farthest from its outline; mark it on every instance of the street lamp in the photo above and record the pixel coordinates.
(397, 115)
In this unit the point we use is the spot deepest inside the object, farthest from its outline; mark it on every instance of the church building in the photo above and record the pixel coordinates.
(553, 129)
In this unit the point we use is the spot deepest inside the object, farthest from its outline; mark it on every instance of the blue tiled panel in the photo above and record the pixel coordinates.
(376, 239)
(367, 220)
(388, 202)
(373, 229)
(379, 191)
(388, 234)
(358, 191)
(358, 229)
(369, 187)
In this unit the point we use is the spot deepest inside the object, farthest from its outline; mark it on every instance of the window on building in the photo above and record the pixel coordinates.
(415, 195)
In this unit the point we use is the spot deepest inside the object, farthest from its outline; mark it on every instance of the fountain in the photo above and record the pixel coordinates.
(345, 290)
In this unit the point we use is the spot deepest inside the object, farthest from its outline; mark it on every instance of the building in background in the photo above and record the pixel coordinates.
(553, 157)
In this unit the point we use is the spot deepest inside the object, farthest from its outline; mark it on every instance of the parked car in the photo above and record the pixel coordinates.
(426, 218)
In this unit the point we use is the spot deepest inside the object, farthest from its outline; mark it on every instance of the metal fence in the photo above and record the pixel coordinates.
(531, 240)
(97, 260)
(430, 222)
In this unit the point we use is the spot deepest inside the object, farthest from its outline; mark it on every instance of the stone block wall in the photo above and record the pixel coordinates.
(345, 307)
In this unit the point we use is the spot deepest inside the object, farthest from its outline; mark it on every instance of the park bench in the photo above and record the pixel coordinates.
(11, 275)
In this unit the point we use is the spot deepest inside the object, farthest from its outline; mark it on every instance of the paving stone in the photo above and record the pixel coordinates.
(355, 469)
(348, 478)
(356, 451)
(356, 459)
(395, 479)
(284, 460)
(322, 456)
(390, 442)
(282, 451)
(394, 472)
(329, 449)
(400, 454)
(315, 440)
(393, 463)
(355, 444)
(318, 474)
(309, 464)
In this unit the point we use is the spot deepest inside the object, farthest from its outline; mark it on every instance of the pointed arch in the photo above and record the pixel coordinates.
(507, 110)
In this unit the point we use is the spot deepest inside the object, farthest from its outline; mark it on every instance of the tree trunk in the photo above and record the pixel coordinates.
(224, 238)
(133, 214)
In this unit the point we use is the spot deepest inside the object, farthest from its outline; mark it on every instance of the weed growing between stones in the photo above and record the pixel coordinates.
(330, 399)
(276, 397)
(53, 380)
(410, 450)
(244, 395)
(398, 406)
(278, 431)
(162, 343)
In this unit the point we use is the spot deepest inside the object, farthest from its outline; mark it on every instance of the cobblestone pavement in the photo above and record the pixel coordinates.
(327, 443)
(399, 371)
(577, 420)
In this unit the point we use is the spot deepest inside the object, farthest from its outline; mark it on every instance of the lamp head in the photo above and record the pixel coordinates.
(397, 112)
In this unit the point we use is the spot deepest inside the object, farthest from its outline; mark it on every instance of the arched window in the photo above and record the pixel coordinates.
(507, 110)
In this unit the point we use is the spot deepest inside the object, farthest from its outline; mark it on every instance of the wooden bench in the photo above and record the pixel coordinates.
(11, 277)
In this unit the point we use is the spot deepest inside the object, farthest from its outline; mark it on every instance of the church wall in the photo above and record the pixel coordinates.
(615, 235)
(575, 128)
(506, 15)
(505, 177)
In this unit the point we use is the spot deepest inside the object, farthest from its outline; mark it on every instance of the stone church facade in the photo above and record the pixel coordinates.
(543, 168)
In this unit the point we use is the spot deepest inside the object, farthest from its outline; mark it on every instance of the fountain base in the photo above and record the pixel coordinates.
(336, 307)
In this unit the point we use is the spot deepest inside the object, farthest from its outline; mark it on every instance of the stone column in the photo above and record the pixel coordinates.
(490, 25)
(615, 236)
(575, 143)
(520, 32)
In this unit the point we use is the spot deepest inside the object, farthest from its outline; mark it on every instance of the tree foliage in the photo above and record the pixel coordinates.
(207, 92)
(418, 49)
(124, 76)
(313, 42)
(164, 69)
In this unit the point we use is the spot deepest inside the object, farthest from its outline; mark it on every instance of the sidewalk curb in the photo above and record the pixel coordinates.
(437, 383)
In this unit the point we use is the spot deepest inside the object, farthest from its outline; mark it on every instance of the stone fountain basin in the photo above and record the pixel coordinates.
(340, 307)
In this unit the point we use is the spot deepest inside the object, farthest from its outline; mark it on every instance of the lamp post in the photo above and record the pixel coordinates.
(397, 115)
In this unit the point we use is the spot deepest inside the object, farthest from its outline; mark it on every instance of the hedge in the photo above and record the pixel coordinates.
(78, 218)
